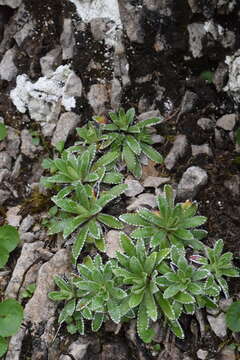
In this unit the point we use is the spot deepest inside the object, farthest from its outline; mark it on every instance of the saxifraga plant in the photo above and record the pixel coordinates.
(84, 212)
(129, 139)
(140, 283)
(74, 169)
(170, 225)
(93, 295)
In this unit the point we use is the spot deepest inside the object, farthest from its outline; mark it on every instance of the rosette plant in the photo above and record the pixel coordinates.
(93, 295)
(129, 139)
(74, 169)
(138, 269)
(170, 225)
(219, 266)
(84, 212)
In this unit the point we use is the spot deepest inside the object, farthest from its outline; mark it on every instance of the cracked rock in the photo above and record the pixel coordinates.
(13, 142)
(66, 124)
(40, 308)
(29, 256)
(177, 151)
(12, 216)
(227, 122)
(192, 180)
(134, 188)
(218, 324)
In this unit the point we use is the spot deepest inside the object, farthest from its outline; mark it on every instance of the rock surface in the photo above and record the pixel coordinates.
(191, 181)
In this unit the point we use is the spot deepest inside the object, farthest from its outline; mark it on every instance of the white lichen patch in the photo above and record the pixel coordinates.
(109, 9)
(233, 85)
(42, 97)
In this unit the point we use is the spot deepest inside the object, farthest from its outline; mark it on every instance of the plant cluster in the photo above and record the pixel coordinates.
(11, 312)
(164, 270)
(140, 283)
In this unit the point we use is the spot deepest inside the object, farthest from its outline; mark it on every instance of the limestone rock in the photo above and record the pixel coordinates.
(201, 149)
(11, 3)
(218, 325)
(40, 308)
(192, 180)
(177, 151)
(134, 188)
(142, 200)
(67, 40)
(227, 122)
(29, 255)
(49, 61)
(66, 124)
(113, 243)
(8, 70)
(98, 97)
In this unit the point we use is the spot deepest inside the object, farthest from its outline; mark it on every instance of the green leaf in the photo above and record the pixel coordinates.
(11, 316)
(97, 321)
(67, 311)
(3, 131)
(133, 144)
(200, 274)
(165, 306)
(150, 305)
(106, 159)
(195, 289)
(177, 329)
(129, 158)
(184, 298)
(9, 239)
(114, 311)
(151, 153)
(94, 229)
(130, 115)
(107, 196)
(218, 248)
(62, 284)
(150, 263)
(150, 122)
(233, 316)
(171, 291)
(3, 346)
(135, 299)
(193, 221)
(127, 245)
(100, 244)
(113, 178)
(133, 219)
(79, 242)
(70, 206)
(110, 221)
(69, 225)
(143, 330)
(183, 234)
(135, 265)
